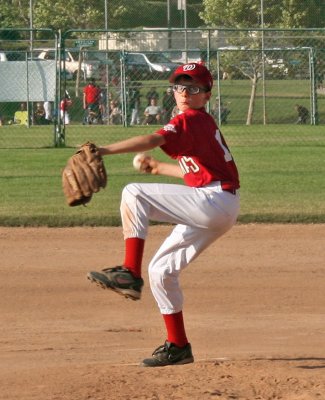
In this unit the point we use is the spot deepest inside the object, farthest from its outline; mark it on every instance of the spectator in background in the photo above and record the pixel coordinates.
(152, 94)
(135, 102)
(303, 114)
(91, 99)
(103, 105)
(21, 116)
(39, 114)
(48, 111)
(319, 75)
(225, 75)
(152, 113)
(64, 106)
(168, 103)
(3, 119)
(115, 113)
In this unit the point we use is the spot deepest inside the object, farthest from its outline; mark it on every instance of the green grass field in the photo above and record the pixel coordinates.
(281, 168)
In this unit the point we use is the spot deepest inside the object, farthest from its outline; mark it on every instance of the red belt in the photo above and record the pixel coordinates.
(232, 191)
(227, 188)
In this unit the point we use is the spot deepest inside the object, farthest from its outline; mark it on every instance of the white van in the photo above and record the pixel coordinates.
(89, 69)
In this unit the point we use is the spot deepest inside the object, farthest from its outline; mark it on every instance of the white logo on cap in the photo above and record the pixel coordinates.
(189, 67)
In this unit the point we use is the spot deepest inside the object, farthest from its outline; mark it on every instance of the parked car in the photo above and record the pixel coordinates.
(183, 56)
(88, 69)
(148, 65)
(109, 61)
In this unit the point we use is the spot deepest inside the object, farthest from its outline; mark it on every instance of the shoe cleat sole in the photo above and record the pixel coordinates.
(103, 284)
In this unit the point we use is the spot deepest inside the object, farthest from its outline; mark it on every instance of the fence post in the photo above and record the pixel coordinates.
(59, 129)
(313, 88)
(123, 89)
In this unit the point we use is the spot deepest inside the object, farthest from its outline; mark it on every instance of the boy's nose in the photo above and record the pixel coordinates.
(184, 92)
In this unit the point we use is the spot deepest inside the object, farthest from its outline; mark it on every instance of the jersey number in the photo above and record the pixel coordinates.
(187, 165)
(227, 154)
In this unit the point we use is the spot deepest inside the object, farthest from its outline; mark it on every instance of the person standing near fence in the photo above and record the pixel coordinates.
(65, 103)
(152, 113)
(135, 103)
(48, 111)
(168, 103)
(303, 114)
(152, 94)
(91, 100)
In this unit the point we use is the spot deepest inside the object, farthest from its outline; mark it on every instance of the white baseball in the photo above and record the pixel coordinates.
(138, 161)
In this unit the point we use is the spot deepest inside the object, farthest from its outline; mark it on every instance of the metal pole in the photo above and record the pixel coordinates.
(168, 25)
(263, 63)
(29, 114)
(31, 27)
(106, 16)
(219, 89)
(31, 37)
(185, 27)
(313, 89)
(106, 69)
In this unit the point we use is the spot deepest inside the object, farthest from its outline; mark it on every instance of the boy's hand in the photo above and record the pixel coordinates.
(145, 163)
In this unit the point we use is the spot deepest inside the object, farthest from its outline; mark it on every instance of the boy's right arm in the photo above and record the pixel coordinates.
(146, 163)
(167, 169)
(133, 145)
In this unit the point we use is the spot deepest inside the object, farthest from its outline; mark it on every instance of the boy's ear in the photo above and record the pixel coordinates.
(208, 95)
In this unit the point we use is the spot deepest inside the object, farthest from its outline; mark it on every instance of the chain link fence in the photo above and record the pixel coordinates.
(262, 77)
(29, 87)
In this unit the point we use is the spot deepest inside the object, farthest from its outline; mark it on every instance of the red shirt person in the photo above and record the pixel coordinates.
(91, 95)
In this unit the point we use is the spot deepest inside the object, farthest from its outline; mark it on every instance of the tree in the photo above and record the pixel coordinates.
(240, 14)
(73, 14)
(247, 14)
(89, 14)
(14, 13)
(277, 13)
(298, 14)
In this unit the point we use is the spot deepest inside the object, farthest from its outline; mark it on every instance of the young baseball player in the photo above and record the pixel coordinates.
(202, 210)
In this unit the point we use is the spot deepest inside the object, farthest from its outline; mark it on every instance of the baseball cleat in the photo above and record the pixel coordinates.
(169, 354)
(118, 279)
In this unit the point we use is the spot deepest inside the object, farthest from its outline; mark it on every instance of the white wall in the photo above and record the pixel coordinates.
(33, 83)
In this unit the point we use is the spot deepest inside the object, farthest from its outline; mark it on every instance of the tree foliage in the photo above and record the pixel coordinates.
(90, 14)
(306, 14)
(277, 13)
(14, 13)
(248, 14)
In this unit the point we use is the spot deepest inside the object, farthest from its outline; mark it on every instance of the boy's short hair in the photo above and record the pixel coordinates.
(197, 72)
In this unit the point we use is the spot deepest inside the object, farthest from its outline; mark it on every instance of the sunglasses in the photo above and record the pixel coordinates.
(189, 88)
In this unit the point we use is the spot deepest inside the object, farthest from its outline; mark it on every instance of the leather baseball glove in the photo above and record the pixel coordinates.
(83, 175)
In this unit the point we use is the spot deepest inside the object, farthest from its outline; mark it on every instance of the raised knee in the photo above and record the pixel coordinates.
(159, 274)
(130, 192)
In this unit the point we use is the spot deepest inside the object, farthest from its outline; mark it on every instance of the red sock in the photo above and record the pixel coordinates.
(133, 255)
(175, 329)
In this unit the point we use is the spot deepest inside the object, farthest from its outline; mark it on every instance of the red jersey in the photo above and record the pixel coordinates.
(92, 94)
(194, 139)
(64, 104)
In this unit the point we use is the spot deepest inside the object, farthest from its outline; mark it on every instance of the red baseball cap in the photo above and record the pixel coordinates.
(197, 72)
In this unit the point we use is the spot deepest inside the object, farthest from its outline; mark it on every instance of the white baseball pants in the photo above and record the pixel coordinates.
(201, 216)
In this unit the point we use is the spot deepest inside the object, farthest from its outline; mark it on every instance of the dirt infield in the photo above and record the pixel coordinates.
(254, 311)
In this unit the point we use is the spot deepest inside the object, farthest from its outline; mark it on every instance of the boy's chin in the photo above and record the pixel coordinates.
(184, 108)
